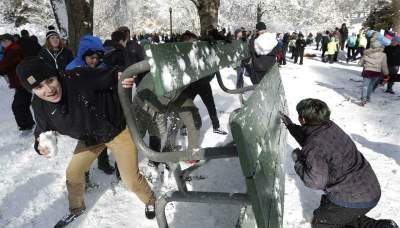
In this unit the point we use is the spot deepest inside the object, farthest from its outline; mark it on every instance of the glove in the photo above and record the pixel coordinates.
(285, 119)
(296, 154)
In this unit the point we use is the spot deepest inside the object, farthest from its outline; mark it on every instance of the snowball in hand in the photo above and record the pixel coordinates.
(48, 140)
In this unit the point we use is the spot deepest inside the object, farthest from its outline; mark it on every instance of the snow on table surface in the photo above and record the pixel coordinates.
(33, 192)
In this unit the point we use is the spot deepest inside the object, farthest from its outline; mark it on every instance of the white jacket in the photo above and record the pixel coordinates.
(375, 59)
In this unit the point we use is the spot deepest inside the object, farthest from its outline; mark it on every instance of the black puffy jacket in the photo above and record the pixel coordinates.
(393, 55)
(89, 109)
(59, 59)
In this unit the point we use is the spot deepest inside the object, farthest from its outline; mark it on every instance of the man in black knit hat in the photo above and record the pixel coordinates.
(72, 105)
(262, 52)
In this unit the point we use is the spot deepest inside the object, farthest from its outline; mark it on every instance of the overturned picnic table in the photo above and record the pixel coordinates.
(259, 137)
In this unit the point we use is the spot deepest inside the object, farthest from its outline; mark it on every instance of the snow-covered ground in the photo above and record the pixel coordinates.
(33, 192)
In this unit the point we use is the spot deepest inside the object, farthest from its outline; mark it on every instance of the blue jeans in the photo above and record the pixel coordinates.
(368, 85)
(239, 72)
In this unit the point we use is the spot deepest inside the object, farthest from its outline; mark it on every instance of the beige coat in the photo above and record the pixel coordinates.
(375, 59)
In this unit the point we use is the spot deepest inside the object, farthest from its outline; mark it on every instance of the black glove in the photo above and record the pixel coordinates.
(285, 119)
(296, 154)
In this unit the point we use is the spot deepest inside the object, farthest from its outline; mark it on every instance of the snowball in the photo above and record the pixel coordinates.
(48, 139)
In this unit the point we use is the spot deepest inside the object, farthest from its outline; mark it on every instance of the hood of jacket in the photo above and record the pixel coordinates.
(86, 42)
(374, 55)
(375, 59)
(265, 43)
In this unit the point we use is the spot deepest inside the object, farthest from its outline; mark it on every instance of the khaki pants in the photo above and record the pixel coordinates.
(125, 153)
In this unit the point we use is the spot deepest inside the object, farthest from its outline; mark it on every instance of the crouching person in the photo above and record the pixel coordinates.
(330, 161)
(74, 104)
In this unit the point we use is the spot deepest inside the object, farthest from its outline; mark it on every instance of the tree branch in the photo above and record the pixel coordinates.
(196, 3)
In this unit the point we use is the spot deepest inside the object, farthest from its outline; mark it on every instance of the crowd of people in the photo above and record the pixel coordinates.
(77, 96)
(378, 55)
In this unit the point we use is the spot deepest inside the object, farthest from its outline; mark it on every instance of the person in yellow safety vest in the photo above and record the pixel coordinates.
(361, 44)
(332, 49)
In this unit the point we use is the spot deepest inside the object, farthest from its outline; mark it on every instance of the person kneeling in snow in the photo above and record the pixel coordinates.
(74, 104)
(330, 161)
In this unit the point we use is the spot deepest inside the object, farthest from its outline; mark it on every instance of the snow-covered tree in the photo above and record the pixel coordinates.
(143, 16)
(208, 13)
(33, 15)
(396, 18)
(60, 15)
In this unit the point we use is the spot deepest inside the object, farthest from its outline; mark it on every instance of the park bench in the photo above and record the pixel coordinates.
(259, 137)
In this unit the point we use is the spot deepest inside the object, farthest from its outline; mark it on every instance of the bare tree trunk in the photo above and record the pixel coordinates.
(60, 14)
(208, 13)
(260, 12)
(80, 20)
(396, 16)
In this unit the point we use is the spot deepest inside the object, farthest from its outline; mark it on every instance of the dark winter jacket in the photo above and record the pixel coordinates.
(325, 41)
(330, 161)
(59, 59)
(114, 55)
(318, 38)
(344, 33)
(123, 57)
(12, 57)
(393, 55)
(261, 63)
(134, 53)
(285, 40)
(300, 45)
(89, 109)
(29, 47)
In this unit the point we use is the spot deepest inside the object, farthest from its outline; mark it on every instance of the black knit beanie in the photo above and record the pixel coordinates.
(33, 70)
(52, 32)
(261, 26)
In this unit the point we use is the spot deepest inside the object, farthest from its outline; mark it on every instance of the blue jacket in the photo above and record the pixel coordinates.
(280, 44)
(352, 41)
(86, 42)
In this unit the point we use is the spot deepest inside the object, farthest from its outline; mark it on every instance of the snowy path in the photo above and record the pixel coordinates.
(33, 193)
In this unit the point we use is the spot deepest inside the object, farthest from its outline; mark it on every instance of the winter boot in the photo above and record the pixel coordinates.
(103, 163)
(219, 131)
(389, 90)
(69, 218)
